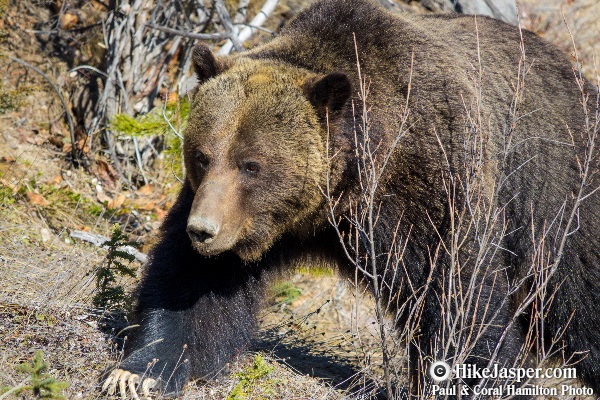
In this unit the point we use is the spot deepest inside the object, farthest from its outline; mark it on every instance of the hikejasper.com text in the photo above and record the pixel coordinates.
(515, 374)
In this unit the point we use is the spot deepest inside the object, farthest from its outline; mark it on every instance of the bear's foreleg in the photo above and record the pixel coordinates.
(194, 313)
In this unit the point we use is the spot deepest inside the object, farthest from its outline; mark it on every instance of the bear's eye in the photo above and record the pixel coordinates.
(251, 167)
(201, 160)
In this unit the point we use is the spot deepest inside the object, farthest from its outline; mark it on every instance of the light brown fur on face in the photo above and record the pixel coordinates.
(254, 116)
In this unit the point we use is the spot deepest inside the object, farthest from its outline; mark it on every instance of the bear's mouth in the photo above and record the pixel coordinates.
(209, 246)
(247, 251)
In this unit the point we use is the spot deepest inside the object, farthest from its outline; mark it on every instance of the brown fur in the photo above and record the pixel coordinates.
(256, 160)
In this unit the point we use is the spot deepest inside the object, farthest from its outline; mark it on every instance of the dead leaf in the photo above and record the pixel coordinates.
(38, 141)
(172, 98)
(8, 160)
(97, 5)
(103, 198)
(39, 131)
(56, 141)
(149, 206)
(116, 202)
(160, 214)
(68, 20)
(36, 199)
(106, 173)
(57, 180)
(145, 190)
(82, 145)
(57, 129)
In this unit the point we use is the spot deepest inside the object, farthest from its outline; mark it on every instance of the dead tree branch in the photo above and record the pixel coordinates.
(256, 23)
(62, 100)
(99, 241)
(191, 35)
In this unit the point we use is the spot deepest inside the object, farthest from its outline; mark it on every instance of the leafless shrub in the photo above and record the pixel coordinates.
(477, 221)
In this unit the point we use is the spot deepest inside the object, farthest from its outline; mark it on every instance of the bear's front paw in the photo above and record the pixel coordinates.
(128, 382)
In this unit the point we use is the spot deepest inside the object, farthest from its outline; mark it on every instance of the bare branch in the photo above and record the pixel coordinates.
(228, 25)
(191, 35)
(256, 22)
(99, 240)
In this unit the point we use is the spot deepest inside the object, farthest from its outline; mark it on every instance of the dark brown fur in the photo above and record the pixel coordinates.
(255, 151)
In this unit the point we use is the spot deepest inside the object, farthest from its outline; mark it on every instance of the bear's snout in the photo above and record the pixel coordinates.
(202, 230)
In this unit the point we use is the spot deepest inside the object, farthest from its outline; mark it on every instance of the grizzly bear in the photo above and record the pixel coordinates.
(487, 164)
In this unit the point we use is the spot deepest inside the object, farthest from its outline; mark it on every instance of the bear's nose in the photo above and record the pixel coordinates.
(202, 230)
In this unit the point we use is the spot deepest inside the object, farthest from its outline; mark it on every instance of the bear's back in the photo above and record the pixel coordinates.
(521, 88)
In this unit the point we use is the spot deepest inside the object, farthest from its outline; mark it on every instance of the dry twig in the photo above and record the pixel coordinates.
(62, 100)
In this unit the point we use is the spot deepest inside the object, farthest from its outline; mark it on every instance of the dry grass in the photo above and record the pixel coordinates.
(45, 304)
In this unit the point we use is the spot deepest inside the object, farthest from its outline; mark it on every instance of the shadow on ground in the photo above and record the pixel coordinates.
(309, 358)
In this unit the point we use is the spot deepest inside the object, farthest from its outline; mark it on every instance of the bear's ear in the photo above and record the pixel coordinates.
(205, 63)
(330, 93)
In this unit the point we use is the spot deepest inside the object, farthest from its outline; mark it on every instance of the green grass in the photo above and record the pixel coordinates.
(285, 292)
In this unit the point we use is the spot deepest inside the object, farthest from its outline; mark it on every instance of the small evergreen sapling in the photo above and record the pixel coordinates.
(42, 384)
(110, 295)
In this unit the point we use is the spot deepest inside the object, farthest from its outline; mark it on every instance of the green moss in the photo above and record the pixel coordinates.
(74, 197)
(12, 99)
(146, 125)
(49, 320)
(251, 378)
(153, 123)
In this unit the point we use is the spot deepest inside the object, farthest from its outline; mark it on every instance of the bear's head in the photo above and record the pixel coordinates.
(255, 151)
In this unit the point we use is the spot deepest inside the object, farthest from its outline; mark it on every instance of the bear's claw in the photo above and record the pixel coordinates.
(126, 380)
